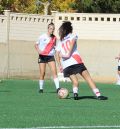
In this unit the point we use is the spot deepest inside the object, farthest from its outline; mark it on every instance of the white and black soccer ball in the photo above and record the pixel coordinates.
(63, 93)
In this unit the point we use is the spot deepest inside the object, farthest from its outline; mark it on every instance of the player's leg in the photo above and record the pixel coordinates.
(85, 74)
(53, 69)
(119, 72)
(75, 84)
(118, 76)
(42, 67)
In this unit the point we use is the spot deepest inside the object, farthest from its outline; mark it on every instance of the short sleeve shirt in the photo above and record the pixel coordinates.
(63, 47)
(45, 45)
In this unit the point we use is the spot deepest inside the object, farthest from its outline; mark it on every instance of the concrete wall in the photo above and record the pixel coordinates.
(22, 60)
(98, 58)
(3, 28)
(28, 27)
(92, 26)
(98, 44)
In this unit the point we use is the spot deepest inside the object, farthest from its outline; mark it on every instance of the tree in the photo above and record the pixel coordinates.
(98, 6)
(83, 6)
(60, 5)
(5, 4)
(116, 6)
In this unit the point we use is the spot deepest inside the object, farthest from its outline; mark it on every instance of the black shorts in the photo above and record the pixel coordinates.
(118, 68)
(74, 69)
(45, 59)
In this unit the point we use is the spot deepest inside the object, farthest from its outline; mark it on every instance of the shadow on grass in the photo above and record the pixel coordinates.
(91, 97)
(5, 91)
(79, 97)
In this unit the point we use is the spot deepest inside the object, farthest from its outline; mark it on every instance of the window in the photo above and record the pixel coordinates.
(66, 18)
(60, 18)
(72, 18)
(78, 18)
(90, 18)
(84, 18)
(96, 18)
(102, 18)
(114, 19)
(108, 19)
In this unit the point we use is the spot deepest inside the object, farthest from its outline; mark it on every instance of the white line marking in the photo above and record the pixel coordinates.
(69, 127)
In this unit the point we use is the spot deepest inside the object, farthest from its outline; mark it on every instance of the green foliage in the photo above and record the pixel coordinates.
(1, 8)
(84, 6)
(62, 6)
(73, 5)
(104, 6)
(5, 4)
(99, 6)
(116, 6)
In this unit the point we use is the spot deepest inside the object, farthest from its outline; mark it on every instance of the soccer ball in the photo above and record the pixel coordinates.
(63, 93)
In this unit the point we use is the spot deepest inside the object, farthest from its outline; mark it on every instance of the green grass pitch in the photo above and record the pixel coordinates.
(21, 106)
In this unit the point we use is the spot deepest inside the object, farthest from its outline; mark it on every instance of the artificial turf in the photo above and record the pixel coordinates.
(21, 106)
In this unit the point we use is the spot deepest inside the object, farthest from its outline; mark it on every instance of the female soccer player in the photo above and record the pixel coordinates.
(45, 47)
(70, 62)
(118, 70)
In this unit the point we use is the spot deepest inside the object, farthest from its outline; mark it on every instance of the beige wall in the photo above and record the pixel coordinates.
(98, 57)
(92, 26)
(98, 44)
(28, 27)
(3, 28)
(22, 60)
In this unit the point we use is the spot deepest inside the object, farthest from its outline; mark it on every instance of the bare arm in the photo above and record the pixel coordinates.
(58, 58)
(37, 48)
(118, 57)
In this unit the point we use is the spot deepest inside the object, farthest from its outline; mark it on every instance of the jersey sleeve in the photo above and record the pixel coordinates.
(39, 39)
(74, 36)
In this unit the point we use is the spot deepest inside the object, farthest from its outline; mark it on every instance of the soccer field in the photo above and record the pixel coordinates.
(21, 106)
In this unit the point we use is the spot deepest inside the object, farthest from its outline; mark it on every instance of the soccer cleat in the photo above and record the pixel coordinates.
(102, 98)
(75, 96)
(58, 89)
(41, 91)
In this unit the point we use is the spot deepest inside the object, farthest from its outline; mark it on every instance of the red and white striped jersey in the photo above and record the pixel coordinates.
(118, 62)
(64, 48)
(46, 45)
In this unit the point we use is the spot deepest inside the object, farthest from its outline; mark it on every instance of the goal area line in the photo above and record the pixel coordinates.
(70, 127)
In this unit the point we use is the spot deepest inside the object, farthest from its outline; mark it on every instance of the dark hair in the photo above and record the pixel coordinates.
(65, 29)
(50, 24)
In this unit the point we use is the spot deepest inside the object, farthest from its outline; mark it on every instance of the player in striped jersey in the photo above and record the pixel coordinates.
(45, 47)
(118, 70)
(70, 62)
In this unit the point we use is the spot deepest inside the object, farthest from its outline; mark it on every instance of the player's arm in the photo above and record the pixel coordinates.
(58, 59)
(37, 48)
(55, 41)
(37, 43)
(118, 57)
